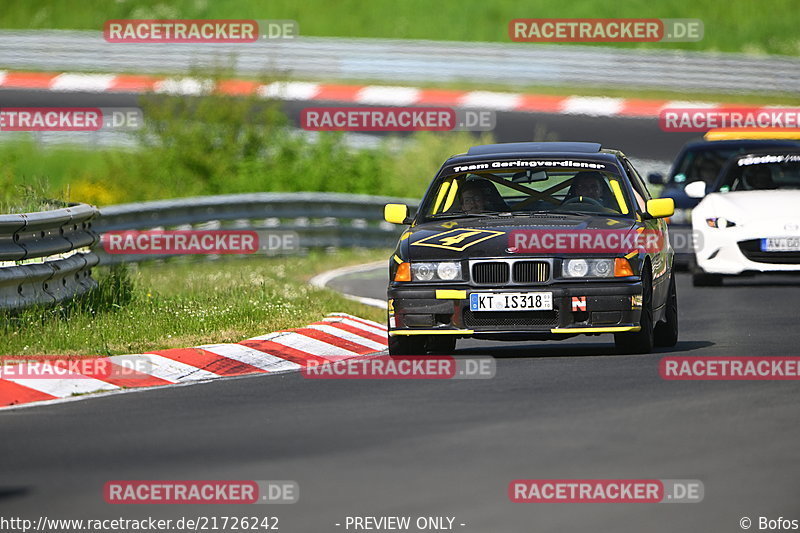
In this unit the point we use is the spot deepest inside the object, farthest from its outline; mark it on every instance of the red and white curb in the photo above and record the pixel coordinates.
(337, 337)
(357, 94)
(321, 281)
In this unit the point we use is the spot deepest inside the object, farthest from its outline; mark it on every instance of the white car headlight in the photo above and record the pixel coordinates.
(587, 268)
(449, 271)
(444, 271)
(719, 223)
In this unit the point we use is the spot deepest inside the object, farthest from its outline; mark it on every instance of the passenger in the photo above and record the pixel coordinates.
(480, 195)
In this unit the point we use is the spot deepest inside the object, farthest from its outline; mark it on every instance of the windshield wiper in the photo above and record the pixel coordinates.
(467, 215)
(581, 213)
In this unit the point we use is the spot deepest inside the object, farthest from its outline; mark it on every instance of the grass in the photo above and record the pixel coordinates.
(186, 303)
(193, 162)
(30, 196)
(216, 144)
(732, 26)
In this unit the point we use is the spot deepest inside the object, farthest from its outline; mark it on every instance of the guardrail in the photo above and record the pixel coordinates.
(316, 220)
(45, 257)
(388, 60)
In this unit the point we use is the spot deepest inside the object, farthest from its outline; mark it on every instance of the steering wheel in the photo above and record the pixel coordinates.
(582, 200)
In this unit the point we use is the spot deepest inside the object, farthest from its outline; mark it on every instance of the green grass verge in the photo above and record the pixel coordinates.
(186, 303)
(223, 145)
(112, 176)
(732, 26)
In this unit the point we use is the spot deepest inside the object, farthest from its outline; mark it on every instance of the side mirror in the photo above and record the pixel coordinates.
(655, 178)
(696, 189)
(395, 213)
(661, 208)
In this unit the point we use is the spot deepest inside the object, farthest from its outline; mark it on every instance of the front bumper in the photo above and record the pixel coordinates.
(610, 307)
(736, 250)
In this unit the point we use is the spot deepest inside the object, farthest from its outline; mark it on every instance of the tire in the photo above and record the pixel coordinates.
(407, 345)
(666, 332)
(640, 342)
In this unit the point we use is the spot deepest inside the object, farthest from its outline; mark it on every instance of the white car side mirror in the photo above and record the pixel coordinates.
(696, 189)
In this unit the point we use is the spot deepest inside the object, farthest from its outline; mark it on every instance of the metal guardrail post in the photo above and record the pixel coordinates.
(45, 256)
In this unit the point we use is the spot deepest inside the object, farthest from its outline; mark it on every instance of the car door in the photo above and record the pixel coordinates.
(662, 258)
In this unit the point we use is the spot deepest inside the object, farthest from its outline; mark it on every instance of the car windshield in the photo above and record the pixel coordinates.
(705, 164)
(527, 192)
(762, 173)
(702, 165)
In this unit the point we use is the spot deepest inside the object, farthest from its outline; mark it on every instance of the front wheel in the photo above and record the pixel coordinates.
(666, 332)
(642, 340)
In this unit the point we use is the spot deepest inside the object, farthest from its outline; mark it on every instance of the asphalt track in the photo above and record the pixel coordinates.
(569, 409)
(564, 410)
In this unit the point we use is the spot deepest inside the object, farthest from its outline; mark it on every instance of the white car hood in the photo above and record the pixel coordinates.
(741, 206)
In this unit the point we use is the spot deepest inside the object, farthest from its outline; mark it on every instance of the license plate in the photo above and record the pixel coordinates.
(511, 301)
(780, 244)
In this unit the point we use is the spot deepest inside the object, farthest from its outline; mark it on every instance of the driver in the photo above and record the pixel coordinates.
(706, 169)
(759, 178)
(589, 185)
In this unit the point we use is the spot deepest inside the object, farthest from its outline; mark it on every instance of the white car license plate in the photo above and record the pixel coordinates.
(780, 244)
(511, 301)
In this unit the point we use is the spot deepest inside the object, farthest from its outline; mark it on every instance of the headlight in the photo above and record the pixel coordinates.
(448, 271)
(587, 268)
(719, 223)
(445, 271)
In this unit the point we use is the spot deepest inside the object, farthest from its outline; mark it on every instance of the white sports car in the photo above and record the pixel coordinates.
(749, 220)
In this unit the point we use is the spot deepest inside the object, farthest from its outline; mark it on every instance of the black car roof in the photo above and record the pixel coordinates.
(554, 150)
(514, 148)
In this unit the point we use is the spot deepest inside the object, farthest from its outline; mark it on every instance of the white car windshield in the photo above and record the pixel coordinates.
(762, 173)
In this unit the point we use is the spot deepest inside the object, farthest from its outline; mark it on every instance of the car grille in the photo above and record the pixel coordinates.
(531, 271)
(499, 272)
(490, 272)
(510, 319)
(752, 250)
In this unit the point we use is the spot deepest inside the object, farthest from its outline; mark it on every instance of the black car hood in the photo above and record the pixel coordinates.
(489, 237)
